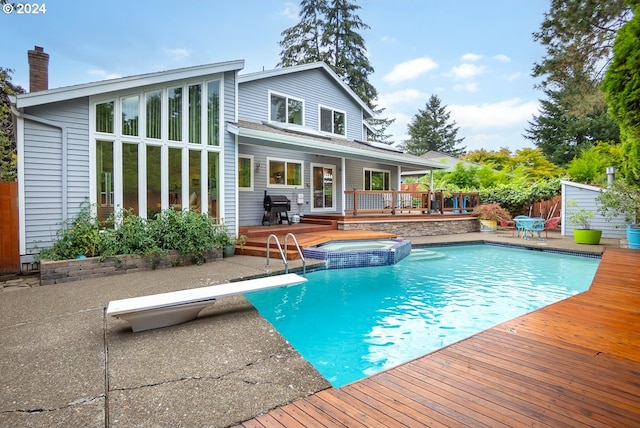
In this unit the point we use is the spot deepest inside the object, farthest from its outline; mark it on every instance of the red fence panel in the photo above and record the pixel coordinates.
(9, 239)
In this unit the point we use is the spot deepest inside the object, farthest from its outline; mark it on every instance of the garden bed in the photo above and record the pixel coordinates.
(61, 271)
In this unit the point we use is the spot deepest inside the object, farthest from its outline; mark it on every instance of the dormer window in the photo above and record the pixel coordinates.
(333, 121)
(286, 109)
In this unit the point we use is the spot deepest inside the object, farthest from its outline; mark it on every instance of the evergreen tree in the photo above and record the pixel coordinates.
(430, 129)
(561, 136)
(329, 31)
(622, 86)
(7, 133)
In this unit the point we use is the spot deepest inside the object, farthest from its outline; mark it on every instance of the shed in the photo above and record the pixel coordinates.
(585, 197)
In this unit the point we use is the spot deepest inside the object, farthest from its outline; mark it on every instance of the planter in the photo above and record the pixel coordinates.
(488, 226)
(633, 236)
(228, 250)
(587, 236)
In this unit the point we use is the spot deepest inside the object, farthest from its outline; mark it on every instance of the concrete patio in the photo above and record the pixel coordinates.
(65, 364)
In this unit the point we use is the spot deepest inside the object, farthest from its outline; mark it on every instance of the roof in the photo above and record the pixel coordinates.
(581, 186)
(310, 140)
(122, 83)
(304, 67)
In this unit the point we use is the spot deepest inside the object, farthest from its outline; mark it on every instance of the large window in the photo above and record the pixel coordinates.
(286, 110)
(332, 121)
(376, 179)
(245, 172)
(284, 172)
(164, 144)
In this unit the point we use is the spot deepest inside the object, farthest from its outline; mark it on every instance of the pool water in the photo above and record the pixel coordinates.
(352, 323)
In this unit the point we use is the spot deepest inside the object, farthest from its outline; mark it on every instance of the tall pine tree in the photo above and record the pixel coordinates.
(329, 31)
(430, 129)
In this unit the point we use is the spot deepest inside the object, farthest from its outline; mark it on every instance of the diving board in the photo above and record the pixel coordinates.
(175, 307)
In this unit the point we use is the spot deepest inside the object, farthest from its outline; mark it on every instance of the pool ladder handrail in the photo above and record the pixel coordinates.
(283, 253)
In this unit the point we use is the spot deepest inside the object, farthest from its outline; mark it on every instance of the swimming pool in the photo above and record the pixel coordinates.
(352, 323)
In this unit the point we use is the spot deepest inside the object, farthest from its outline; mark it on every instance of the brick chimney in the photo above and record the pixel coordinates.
(38, 69)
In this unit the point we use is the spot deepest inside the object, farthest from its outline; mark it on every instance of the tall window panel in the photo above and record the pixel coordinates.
(195, 114)
(104, 117)
(213, 113)
(130, 113)
(195, 190)
(104, 178)
(154, 114)
(213, 160)
(175, 178)
(175, 114)
(154, 201)
(130, 177)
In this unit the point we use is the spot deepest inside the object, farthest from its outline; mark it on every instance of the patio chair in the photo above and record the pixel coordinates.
(507, 225)
(551, 224)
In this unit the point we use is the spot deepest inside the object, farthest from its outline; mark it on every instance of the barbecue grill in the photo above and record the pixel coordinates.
(275, 209)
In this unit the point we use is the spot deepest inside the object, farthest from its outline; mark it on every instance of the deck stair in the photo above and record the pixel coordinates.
(309, 232)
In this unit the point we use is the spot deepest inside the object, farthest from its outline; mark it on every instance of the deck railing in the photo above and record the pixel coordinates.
(399, 202)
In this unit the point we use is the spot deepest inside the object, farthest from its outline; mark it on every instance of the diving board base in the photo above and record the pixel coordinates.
(176, 307)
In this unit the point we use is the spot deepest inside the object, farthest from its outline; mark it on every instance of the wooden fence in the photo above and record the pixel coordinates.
(9, 244)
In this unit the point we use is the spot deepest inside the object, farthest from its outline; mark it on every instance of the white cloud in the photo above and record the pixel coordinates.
(467, 87)
(406, 95)
(502, 58)
(471, 57)
(410, 70)
(290, 11)
(467, 71)
(514, 76)
(177, 53)
(103, 75)
(388, 39)
(502, 114)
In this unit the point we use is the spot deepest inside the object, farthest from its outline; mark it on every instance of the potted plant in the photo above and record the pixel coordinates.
(488, 215)
(622, 199)
(583, 234)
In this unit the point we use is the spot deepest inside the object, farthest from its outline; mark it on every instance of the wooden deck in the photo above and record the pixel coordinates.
(574, 363)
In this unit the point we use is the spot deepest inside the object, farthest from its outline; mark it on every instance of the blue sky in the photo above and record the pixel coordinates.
(475, 55)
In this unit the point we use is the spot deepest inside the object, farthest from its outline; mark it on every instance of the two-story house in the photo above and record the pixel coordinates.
(203, 138)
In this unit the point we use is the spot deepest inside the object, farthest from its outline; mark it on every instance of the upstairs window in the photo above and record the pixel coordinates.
(130, 115)
(286, 110)
(332, 121)
(104, 117)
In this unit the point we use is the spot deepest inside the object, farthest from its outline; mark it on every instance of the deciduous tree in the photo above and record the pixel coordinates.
(7, 133)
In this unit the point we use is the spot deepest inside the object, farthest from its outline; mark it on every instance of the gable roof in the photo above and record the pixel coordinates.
(304, 67)
(122, 83)
(299, 138)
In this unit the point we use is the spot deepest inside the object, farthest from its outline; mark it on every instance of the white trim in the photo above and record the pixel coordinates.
(269, 185)
(162, 78)
(287, 98)
(252, 168)
(22, 231)
(312, 206)
(333, 112)
(309, 145)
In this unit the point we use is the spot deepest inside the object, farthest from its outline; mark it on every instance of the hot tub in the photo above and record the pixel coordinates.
(360, 253)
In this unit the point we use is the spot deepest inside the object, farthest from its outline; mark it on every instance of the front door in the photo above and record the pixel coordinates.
(323, 187)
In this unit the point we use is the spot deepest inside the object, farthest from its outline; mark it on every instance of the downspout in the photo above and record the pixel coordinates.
(63, 131)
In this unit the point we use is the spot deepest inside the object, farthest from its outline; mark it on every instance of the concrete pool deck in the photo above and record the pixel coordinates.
(63, 363)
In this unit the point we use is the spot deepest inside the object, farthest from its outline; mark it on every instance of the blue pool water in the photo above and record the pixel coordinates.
(352, 323)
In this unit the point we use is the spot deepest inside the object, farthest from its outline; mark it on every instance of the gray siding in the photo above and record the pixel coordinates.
(586, 198)
(250, 202)
(43, 171)
(228, 159)
(355, 176)
(315, 87)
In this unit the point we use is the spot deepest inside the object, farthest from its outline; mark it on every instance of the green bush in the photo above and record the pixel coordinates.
(188, 232)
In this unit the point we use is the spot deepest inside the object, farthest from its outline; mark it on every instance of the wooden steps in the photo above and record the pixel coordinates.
(311, 231)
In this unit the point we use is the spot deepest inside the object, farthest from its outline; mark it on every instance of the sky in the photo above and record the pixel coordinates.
(475, 55)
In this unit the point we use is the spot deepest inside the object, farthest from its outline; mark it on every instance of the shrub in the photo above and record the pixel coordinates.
(76, 237)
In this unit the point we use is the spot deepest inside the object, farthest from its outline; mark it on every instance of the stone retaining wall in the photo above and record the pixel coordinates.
(409, 228)
(56, 272)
